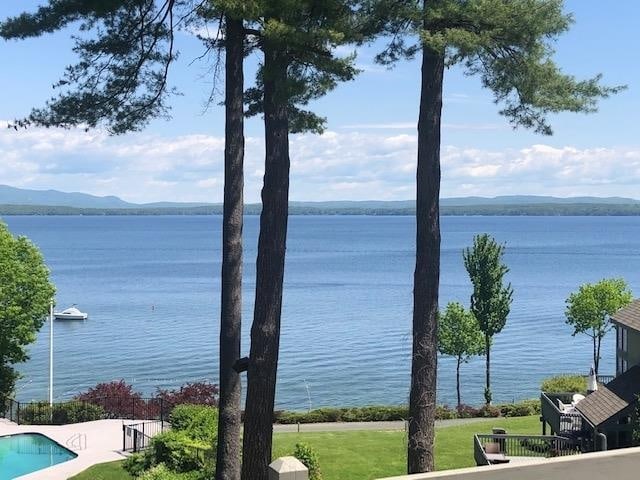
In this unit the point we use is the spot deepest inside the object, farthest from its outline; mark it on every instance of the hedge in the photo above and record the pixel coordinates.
(380, 413)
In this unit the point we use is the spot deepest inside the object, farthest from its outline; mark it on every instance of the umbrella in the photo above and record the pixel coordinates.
(592, 381)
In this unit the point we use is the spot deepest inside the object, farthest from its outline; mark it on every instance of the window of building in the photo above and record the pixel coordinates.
(625, 339)
(618, 337)
(626, 420)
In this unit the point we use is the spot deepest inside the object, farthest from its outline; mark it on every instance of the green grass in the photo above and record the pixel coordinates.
(104, 471)
(363, 455)
(366, 455)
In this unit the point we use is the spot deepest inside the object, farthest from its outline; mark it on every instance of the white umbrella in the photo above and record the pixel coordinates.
(592, 382)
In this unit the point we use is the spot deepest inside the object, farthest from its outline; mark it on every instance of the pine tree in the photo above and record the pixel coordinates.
(508, 44)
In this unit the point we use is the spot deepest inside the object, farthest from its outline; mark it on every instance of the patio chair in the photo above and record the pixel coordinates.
(493, 453)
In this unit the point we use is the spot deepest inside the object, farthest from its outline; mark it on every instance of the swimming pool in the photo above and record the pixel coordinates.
(24, 453)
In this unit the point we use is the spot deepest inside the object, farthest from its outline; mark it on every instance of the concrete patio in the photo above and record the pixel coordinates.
(93, 442)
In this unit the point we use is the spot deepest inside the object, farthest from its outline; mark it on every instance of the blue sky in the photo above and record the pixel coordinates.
(368, 151)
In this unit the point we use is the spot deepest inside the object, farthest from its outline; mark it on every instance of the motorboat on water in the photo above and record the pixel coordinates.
(71, 313)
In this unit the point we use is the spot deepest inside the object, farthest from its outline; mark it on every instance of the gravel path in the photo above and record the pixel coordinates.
(349, 426)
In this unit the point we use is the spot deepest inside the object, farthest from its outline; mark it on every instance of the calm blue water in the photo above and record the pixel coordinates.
(347, 303)
(29, 452)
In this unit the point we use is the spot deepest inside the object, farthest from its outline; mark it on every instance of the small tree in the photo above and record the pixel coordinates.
(459, 337)
(25, 293)
(491, 299)
(590, 308)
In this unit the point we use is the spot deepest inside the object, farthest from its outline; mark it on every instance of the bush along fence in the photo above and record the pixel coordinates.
(76, 411)
(401, 412)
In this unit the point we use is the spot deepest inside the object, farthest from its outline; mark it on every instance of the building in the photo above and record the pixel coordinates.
(604, 419)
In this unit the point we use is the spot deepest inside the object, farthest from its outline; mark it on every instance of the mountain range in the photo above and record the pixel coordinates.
(19, 196)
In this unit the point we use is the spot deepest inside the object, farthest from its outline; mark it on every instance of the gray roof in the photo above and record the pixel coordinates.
(612, 398)
(629, 316)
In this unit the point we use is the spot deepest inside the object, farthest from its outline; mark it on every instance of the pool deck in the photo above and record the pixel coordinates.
(93, 442)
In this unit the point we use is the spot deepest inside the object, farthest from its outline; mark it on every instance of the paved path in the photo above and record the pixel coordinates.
(349, 426)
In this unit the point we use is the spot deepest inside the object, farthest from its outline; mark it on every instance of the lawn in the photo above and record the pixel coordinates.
(366, 455)
(104, 471)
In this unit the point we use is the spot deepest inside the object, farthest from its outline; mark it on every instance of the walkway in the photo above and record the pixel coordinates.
(349, 426)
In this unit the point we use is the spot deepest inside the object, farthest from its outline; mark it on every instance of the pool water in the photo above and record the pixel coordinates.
(29, 452)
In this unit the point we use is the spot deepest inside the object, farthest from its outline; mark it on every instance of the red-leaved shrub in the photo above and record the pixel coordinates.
(196, 393)
(117, 398)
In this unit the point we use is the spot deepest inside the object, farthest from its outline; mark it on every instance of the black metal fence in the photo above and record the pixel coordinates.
(494, 448)
(76, 411)
(137, 436)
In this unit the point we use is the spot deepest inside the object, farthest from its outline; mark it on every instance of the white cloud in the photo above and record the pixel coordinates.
(413, 126)
(346, 164)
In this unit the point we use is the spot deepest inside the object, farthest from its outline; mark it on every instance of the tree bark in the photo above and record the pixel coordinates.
(458, 383)
(422, 398)
(229, 422)
(265, 331)
(487, 386)
(596, 354)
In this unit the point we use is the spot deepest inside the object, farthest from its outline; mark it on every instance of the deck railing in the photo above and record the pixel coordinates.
(559, 421)
(508, 446)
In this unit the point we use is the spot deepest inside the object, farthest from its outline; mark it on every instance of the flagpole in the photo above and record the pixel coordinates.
(51, 354)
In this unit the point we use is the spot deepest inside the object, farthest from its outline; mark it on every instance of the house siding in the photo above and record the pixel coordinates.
(627, 359)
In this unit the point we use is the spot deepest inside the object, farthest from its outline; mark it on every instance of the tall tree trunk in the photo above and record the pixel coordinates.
(422, 398)
(596, 354)
(230, 422)
(458, 383)
(265, 331)
(487, 385)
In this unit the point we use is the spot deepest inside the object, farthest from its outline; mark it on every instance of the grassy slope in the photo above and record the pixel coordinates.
(363, 455)
(367, 455)
(104, 471)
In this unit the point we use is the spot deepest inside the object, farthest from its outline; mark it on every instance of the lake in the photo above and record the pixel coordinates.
(151, 286)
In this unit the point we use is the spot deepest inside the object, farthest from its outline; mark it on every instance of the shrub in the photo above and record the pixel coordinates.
(179, 452)
(348, 414)
(41, 413)
(309, 457)
(162, 472)
(467, 411)
(565, 384)
(117, 398)
(520, 409)
(196, 393)
(199, 422)
(136, 463)
(489, 411)
(444, 412)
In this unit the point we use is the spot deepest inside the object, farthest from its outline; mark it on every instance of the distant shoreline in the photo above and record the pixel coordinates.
(538, 209)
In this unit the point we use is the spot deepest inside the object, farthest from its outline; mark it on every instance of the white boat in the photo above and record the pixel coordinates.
(71, 313)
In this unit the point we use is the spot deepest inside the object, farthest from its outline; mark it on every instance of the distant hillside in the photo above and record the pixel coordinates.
(16, 201)
(541, 209)
(19, 196)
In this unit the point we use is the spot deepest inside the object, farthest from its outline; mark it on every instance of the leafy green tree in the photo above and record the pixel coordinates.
(459, 337)
(590, 308)
(25, 295)
(491, 299)
(508, 44)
